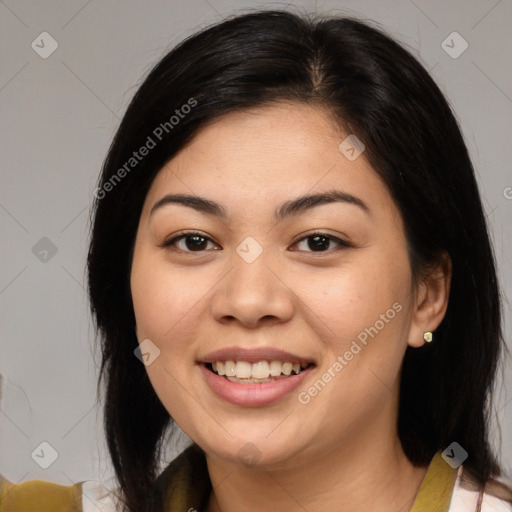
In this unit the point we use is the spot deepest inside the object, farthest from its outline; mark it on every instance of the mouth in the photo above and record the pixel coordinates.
(259, 372)
(254, 377)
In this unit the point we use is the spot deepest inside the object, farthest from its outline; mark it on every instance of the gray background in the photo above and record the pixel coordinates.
(58, 116)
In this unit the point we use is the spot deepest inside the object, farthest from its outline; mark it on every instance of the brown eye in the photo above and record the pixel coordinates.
(318, 242)
(197, 242)
(192, 242)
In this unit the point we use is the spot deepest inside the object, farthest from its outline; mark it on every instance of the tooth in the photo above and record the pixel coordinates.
(221, 370)
(275, 368)
(243, 369)
(260, 370)
(286, 368)
(230, 368)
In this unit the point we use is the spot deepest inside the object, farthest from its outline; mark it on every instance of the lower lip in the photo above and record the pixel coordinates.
(253, 395)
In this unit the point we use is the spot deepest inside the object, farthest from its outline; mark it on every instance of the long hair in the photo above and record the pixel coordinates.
(374, 88)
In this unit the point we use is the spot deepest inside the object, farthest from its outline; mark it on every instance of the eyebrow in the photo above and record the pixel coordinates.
(288, 209)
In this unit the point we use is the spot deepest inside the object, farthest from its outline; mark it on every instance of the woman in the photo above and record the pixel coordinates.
(289, 260)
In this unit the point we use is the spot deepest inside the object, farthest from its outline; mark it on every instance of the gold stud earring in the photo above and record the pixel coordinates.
(427, 337)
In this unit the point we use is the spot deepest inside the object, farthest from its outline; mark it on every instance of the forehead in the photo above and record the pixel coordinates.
(268, 155)
(273, 136)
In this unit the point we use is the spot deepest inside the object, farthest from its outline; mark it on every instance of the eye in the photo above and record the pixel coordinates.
(193, 241)
(318, 241)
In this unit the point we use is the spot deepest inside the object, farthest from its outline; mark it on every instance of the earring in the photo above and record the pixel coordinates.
(427, 337)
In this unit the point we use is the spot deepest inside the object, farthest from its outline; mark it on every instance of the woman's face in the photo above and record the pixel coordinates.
(263, 286)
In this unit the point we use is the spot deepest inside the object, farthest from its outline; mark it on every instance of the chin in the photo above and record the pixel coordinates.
(256, 451)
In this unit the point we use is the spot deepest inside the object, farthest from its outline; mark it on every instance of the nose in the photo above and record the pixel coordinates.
(253, 294)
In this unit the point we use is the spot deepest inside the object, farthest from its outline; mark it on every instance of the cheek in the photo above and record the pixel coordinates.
(361, 315)
(364, 310)
(353, 299)
(164, 302)
(161, 297)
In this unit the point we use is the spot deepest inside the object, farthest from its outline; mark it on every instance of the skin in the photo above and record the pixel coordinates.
(341, 450)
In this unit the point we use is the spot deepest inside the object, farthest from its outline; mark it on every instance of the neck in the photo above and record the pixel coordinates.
(358, 476)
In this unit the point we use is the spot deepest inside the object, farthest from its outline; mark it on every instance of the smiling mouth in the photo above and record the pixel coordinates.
(244, 372)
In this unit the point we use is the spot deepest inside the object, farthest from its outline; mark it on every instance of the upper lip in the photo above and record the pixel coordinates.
(253, 355)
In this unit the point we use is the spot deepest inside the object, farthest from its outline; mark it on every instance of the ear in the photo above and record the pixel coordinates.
(431, 302)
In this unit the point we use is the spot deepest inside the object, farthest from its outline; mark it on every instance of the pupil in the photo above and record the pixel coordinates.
(318, 244)
(197, 244)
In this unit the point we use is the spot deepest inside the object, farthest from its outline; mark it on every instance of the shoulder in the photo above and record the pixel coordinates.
(184, 484)
(465, 498)
(185, 481)
(99, 497)
(42, 496)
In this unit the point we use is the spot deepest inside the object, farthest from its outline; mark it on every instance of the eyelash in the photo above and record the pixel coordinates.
(342, 244)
